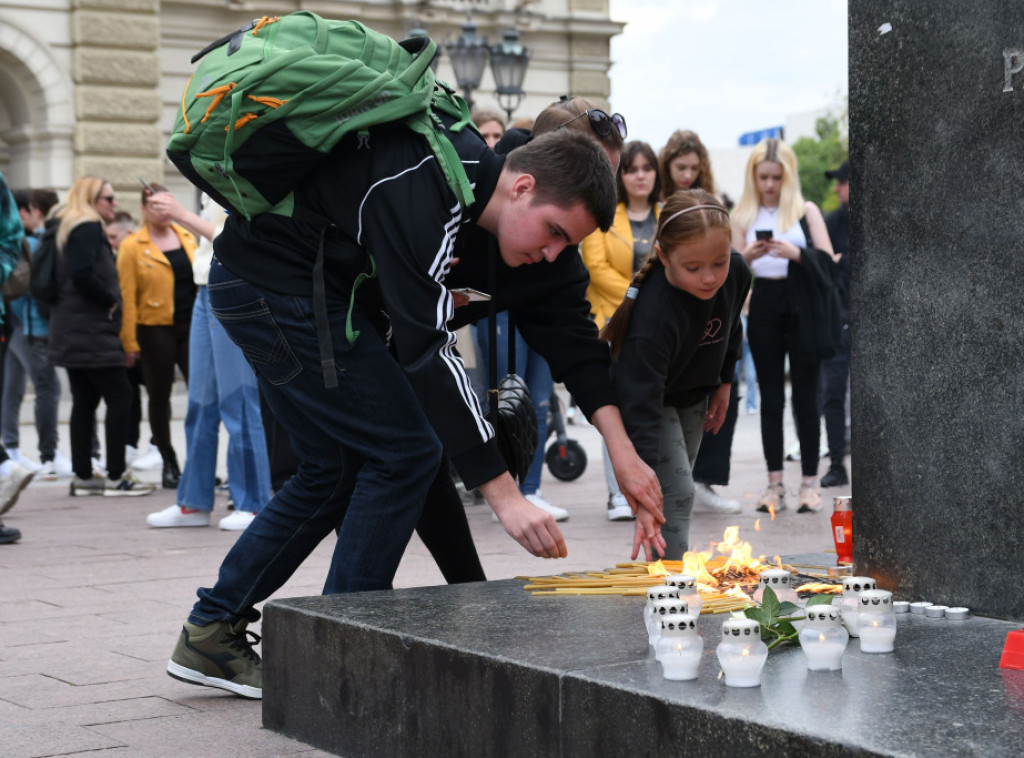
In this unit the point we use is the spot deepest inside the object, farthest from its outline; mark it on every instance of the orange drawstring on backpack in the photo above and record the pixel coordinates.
(217, 93)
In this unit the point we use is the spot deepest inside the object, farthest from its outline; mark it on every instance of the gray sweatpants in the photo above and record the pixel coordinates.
(681, 433)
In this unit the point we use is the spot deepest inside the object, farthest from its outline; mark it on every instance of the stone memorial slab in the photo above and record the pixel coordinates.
(937, 376)
(488, 669)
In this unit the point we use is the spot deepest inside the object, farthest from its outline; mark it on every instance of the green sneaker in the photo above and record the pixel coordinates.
(218, 655)
(91, 486)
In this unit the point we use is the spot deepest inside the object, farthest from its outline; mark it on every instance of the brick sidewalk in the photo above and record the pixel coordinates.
(92, 600)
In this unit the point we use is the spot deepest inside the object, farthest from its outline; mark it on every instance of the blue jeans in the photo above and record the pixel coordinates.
(535, 372)
(221, 387)
(746, 365)
(27, 356)
(368, 455)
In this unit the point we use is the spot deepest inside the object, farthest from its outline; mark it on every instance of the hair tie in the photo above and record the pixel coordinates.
(632, 292)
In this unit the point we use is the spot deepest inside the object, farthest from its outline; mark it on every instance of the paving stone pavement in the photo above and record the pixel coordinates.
(92, 600)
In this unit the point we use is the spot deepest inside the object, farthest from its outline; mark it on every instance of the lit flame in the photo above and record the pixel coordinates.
(757, 525)
(657, 569)
(771, 511)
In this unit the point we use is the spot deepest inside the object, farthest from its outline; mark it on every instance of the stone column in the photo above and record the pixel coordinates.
(116, 71)
(937, 171)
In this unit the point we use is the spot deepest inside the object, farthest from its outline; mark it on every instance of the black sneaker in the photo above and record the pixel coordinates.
(8, 534)
(219, 655)
(126, 486)
(836, 477)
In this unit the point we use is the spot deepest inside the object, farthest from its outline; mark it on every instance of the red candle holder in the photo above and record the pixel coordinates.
(1013, 651)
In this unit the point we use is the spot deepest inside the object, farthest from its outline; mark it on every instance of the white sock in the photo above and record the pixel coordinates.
(6, 468)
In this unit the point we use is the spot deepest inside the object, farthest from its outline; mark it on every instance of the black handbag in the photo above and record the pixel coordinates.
(512, 412)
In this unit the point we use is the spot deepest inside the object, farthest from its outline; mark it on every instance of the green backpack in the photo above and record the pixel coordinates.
(268, 101)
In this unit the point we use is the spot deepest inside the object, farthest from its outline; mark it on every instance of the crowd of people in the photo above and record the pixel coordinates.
(616, 269)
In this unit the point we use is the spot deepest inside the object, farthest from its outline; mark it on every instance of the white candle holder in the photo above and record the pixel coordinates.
(823, 638)
(680, 647)
(664, 607)
(741, 652)
(852, 587)
(876, 622)
(781, 582)
(687, 586)
(657, 593)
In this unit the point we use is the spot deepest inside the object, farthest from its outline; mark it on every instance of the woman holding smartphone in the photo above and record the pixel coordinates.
(786, 244)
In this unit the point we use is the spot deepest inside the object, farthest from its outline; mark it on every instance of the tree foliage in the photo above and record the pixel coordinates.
(816, 156)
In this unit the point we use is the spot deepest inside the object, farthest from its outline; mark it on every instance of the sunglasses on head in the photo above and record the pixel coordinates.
(601, 122)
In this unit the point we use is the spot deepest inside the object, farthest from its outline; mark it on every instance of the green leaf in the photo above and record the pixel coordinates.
(769, 607)
(786, 629)
(788, 609)
(754, 613)
(820, 600)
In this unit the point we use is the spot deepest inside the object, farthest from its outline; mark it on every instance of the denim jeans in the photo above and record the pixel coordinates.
(681, 432)
(749, 373)
(27, 356)
(368, 455)
(535, 372)
(221, 387)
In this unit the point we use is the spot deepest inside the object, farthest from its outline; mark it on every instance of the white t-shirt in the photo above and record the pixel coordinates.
(203, 255)
(773, 266)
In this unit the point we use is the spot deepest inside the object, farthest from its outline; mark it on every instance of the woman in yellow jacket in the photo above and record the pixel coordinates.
(154, 267)
(613, 257)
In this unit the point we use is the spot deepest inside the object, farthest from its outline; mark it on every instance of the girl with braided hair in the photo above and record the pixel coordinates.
(675, 341)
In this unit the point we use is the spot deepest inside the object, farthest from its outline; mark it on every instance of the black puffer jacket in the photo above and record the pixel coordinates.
(83, 331)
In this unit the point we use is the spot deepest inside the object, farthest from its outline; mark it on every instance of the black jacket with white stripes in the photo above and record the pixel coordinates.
(388, 195)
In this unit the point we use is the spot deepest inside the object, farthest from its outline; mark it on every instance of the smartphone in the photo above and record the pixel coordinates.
(145, 186)
(475, 296)
(763, 234)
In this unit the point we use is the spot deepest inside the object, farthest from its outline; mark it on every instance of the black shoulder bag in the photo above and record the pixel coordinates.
(512, 412)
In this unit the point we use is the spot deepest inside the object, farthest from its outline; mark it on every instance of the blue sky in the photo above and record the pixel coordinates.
(725, 67)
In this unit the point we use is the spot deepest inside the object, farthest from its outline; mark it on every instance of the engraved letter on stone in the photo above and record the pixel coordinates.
(1013, 63)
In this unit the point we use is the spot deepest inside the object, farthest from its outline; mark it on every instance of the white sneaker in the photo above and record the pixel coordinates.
(706, 500)
(618, 508)
(11, 486)
(62, 464)
(152, 459)
(130, 454)
(175, 515)
(47, 472)
(560, 514)
(15, 454)
(236, 521)
(99, 467)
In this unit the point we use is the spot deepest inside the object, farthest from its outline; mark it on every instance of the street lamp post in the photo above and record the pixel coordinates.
(509, 60)
(469, 56)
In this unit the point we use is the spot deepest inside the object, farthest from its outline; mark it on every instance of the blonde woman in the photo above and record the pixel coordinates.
(784, 241)
(85, 325)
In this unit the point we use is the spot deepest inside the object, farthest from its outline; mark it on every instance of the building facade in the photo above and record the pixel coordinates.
(94, 86)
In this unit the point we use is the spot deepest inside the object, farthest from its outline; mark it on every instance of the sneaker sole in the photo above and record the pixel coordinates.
(125, 493)
(176, 525)
(190, 676)
(85, 493)
(618, 514)
(764, 508)
(805, 508)
(21, 488)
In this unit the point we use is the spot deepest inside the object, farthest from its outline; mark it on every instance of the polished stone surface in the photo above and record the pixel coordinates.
(490, 670)
(937, 166)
